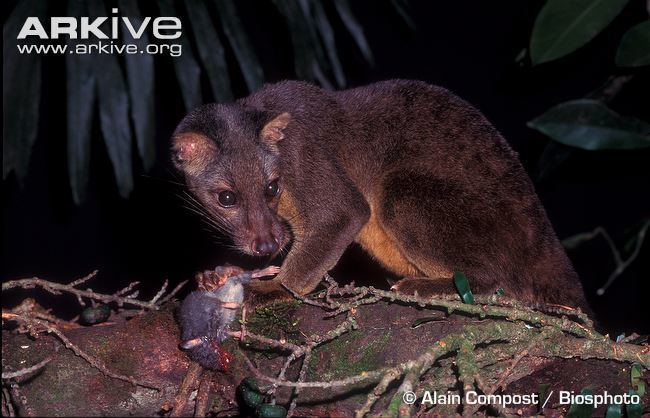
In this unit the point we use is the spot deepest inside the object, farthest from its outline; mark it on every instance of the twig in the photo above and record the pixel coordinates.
(301, 378)
(611, 88)
(621, 266)
(27, 370)
(57, 288)
(20, 399)
(160, 292)
(183, 393)
(127, 289)
(78, 281)
(36, 325)
(379, 390)
(204, 395)
(544, 334)
(172, 293)
(510, 314)
(7, 405)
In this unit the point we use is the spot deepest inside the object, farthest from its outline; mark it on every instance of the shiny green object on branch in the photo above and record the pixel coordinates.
(462, 285)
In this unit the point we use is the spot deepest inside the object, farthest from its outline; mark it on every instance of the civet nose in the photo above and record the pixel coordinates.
(266, 246)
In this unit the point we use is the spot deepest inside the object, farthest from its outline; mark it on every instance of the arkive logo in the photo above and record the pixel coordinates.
(83, 28)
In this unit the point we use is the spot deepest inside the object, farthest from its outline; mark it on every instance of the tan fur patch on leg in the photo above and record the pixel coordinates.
(374, 240)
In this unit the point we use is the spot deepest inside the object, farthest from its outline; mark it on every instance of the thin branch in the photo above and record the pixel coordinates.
(544, 334)
(621, 266)
(301, 378)
(27, 370)
(57, 288)
(182, 395)
(37, 326)
(21, 400)
(7, 404)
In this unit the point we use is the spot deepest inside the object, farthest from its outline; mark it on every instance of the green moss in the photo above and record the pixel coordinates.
(276, 319)
(349, 356)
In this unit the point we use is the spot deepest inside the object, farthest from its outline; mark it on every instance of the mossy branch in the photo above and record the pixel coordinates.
(516, 331)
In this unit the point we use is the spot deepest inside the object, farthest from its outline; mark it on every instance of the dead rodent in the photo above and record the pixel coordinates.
(411, 172)
(206, 314)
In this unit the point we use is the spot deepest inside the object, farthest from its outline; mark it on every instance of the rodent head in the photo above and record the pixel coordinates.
(230, 158)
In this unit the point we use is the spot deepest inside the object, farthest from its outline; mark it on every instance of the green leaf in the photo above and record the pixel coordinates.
(140, 76)
(633, 410)
(581, 410)
(21, 92)
(113, 111)
(309, 58)
(355, 29)
(562, 26)
(402, 9)
(590, 125)
(250, 392)
(187, 69)
(244, 52)
(210, 50)
(613, 411)
(462, 285)
(267, 410)
(81, 88)
(635, 379)
(327, 35)
(421, 321)
(634, 49)
(500, 292)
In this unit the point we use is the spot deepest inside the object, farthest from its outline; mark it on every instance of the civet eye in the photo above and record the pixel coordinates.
(227, 199)
(272, 188)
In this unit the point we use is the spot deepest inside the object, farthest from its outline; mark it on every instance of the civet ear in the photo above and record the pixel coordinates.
(191, 152)
(273, 131)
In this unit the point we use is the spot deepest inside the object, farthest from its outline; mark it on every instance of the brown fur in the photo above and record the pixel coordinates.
(413, 173)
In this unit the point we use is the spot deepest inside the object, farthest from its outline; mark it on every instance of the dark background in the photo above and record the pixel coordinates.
(466, 46)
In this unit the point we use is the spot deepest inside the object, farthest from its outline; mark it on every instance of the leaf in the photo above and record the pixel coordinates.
(140, 76)
(244, 52)
(355, 29)
(210, 49)
(590, 125)
(562, 26)
(187, 69)
(635, 379)
(585, 410)
(462, 285)
(327, 36)
(267, 410)
(81, 85)
(113, 111)
(633, 410)
(309, 59)
(250, 392)
(402, 9)
(634, 49)
(21, 92)
(553, 156)
(421, 321)
(500, 292)
(613, 411)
